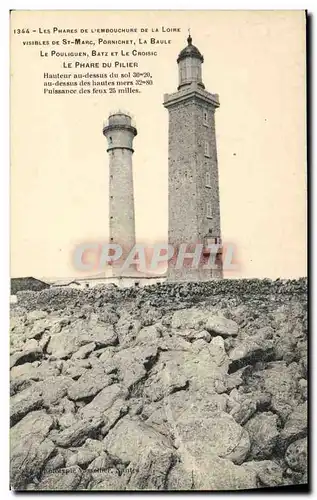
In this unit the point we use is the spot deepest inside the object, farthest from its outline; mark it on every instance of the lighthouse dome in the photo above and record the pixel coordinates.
(189, 66)
(190, 51)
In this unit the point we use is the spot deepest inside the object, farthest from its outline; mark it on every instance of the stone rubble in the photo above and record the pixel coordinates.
(187, 386)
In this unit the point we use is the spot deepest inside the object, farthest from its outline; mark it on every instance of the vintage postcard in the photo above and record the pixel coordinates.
(158, 336)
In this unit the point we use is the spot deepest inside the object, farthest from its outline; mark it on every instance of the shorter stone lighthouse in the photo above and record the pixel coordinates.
(120, 132)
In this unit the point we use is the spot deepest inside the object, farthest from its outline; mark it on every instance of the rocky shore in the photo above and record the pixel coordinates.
(193, 386)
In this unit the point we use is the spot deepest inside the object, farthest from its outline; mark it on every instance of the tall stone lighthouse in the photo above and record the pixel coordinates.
(120, 133)
(193, 188)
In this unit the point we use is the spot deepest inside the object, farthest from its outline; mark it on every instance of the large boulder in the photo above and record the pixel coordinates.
(56, 462)
(103, 335)
(186, 386)
(243, 410)
(164, 414)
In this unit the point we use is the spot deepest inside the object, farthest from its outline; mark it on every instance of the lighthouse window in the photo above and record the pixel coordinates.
(209, 211)
(205, 114)
(208, 182)
(207, 151)
(110, 140)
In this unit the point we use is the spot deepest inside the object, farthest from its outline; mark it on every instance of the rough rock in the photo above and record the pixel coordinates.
(296, 455)
(130, 438)
(103, 401)
(218, 325)
(67, 479)
(38, 329)
(36, 315)
(53, 389)
(100, 464)
(103, 336)
(208, 387)
(82, 458)
(208, 472)
(107, 354)
(112, 481)
(268, 472)
(23, 375)
(23, 403)
(54, 463)
(215, 433)
(263, 434)
(189, 318)
(249, 350)
(150, 471)
(29, 447)
(76, 368)
(63, 345)
(67, 420)
(26, 356)
(84, 351)
(295, 426)
(99, 470)
(127, 329)
(89, 384)
(167, 381)
(147, 335)
(113, 414)
(150, 315)
(134, 362)
(78, 433)
(243, 411)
